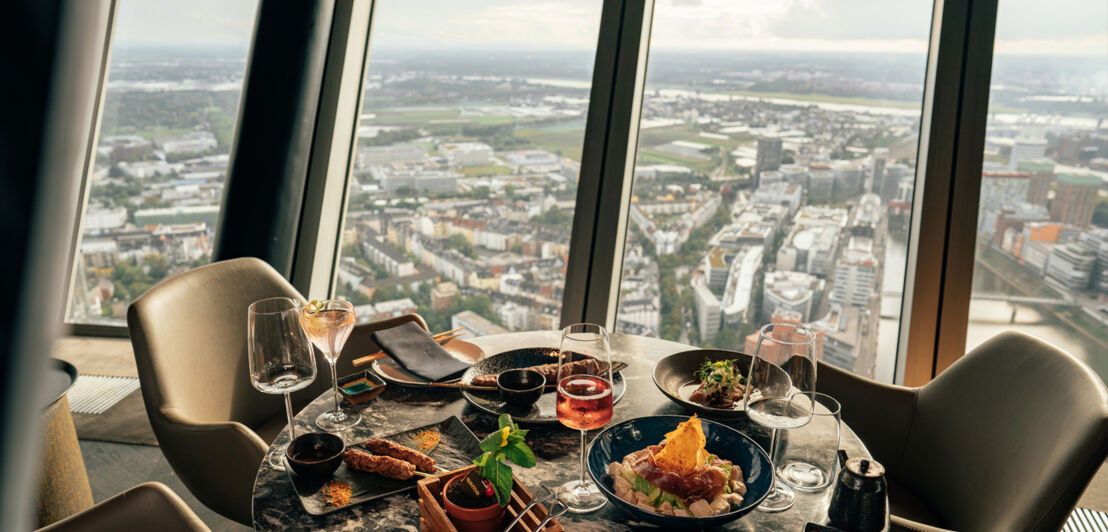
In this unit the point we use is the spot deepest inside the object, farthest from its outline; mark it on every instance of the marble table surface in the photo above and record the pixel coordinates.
(276, 506)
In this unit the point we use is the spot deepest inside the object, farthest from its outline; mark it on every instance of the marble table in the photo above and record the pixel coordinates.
(276, 506)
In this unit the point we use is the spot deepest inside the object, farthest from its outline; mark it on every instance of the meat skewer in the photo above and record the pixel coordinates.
(421, 461)
(385, 466)
(550, 371)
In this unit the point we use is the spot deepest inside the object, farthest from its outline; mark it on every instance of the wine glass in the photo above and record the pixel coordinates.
(328, 324)
(780, 391)
(281, 358)
(585, 399)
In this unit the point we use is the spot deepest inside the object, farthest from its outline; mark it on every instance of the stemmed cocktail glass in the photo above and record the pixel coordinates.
(585, 402)
(328, 324)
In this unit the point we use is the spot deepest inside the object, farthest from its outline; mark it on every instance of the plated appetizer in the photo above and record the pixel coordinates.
(678, 476)
(721, 384)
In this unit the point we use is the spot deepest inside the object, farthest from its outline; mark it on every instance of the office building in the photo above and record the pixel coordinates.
(1026, 149)
(787, 194)
(877, 170)
(475, 324)
(1070, 266)
(1096, 239)
(793, 291)
(739, 292)
(1075, 199)
(466, 153)
(717, 266)
(1042, 174)
(708, 310)
(855, 273)
(408, 154)
(769, 154)
(1001, 189)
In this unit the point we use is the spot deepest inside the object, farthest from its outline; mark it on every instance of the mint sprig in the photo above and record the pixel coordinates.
(503, 446)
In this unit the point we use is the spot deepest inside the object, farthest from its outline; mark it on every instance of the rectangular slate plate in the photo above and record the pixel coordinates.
(456, 449)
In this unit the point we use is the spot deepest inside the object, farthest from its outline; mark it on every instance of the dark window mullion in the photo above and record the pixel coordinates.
(607, 163)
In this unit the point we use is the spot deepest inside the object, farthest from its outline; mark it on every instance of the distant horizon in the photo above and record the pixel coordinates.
(508, 48)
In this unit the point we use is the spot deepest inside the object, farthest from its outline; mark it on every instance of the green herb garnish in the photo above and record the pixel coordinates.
(506, 443)
(720, 377)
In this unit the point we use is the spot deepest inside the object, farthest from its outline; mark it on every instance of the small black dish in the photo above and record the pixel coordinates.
(362, 387)
(520, 388)
(315, 455)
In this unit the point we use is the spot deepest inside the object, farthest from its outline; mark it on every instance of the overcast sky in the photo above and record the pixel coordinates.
(1024, 26)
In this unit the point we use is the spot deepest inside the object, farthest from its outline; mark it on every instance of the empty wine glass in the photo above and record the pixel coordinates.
(328, 324)
(780, 391)
(281, 358)
(585, 401)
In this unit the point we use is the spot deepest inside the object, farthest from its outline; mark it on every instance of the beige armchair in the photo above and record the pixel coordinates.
(150, 506)
(1007, 438)
(189, 338)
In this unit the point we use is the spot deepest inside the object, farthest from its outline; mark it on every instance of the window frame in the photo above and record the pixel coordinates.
(84, 189)
(935, 300)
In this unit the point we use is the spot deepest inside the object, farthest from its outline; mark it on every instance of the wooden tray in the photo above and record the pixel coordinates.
(433, 517)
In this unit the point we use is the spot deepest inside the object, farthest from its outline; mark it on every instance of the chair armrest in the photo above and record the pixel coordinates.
(149, 506)
(900, 524)
(217, 462)
(878, 413)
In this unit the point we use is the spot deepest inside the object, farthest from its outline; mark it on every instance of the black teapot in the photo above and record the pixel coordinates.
(860, 501)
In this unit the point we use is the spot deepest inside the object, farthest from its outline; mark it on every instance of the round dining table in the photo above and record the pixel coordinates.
(277, 507)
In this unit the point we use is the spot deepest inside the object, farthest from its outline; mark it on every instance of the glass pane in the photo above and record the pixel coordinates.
(467, 157)
(165, 134)
(1042, 231)
(773, 180)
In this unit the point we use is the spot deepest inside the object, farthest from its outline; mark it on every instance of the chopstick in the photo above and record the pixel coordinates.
(460, 386)
(616, 366)
(441, 338)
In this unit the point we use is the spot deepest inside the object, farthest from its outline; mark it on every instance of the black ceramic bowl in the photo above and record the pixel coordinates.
(520, 388)
(675, 376)
(315, 455)
(621, 439)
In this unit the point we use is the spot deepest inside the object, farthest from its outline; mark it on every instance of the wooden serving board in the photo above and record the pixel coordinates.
(433, 517)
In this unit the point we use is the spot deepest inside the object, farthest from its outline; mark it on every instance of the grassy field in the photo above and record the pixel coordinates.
(827, 98)
(648, 156)
(664, 135)
(491, 120)
(476, 171)
(567, 142)
(411, 117)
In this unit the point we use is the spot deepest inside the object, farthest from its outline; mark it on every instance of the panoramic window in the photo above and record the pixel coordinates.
(466, 162)
(168, 121)
(774, 175)
(1042, 230)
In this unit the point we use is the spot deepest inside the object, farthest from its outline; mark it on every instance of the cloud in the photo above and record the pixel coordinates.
(1023, 26)
(222, 22)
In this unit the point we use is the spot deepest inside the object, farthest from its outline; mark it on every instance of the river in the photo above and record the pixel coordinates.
(987, 319)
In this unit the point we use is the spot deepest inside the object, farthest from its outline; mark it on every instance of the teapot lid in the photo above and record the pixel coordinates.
(866, 468)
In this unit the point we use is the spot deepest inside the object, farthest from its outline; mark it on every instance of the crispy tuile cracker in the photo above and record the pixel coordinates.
(684, 451)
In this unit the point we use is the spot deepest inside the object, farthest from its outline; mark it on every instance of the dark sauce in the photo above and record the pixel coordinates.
(315, 453)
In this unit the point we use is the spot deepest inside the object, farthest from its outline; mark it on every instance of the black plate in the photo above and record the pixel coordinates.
(457, 448)
(543, 411)
(675, 376)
